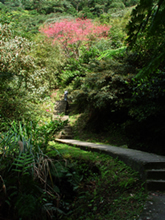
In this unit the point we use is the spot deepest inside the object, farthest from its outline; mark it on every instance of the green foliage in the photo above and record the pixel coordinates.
(146, 40)
(21, 82)
(147, 96)
(30, 134)
(30, 189)
(118, 31)
(14, 56)
(38, 187)
(110, 94)
(49, 57)
(89, 9)
(129, 3)
(146, 108)
(27, 72)
(73, 69)
(108, 186)
(86, 13)
(118, 20)
(101, 45)
(117, 4)
(146, 35)
(104, 88)
(22, 22)
(34, 182)
(112, 52)
(87, 55)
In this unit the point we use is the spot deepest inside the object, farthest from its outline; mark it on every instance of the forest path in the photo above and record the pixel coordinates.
(150, 166)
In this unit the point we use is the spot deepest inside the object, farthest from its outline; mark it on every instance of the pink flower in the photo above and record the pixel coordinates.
(47, 110)
(73, 31)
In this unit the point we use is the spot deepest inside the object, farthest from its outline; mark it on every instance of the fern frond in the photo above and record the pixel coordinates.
(112, 52)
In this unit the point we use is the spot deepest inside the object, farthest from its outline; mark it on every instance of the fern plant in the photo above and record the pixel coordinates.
(112, 52)
(29, 136)
(31, 178)
(23, 163)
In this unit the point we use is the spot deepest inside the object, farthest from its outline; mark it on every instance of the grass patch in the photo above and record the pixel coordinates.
(107, 188)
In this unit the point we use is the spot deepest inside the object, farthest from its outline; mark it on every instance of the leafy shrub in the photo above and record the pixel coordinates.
(113, 52)
(50, 58)
(16, 67)
(22, 22)
(147, 96)
(111, 94)
(25, 80)
(146, 108)
(117, 4)
(104, 88)
(73, 69)
(118, 32)
(87, 54)
(129, 3)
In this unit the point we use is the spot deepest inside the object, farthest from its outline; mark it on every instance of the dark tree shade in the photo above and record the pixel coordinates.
(146, 33)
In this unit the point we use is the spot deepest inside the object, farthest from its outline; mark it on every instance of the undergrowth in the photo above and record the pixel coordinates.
(107, 188)
(42, 179)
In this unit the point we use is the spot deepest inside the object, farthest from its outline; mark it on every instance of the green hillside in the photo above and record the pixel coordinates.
(108, 55)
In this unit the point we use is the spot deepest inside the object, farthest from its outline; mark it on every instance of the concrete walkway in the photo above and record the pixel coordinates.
(138, 160)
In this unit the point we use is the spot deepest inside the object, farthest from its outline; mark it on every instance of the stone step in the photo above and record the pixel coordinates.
(65, 117)
(60, 107)
(62, 118)
(68, 129)
(58, 112)
(154, 165)
(155, 185)
(66, 133)
(65, 136)
(156, 174)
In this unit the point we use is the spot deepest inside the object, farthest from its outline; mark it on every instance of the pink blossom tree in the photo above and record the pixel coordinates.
(75, 32)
